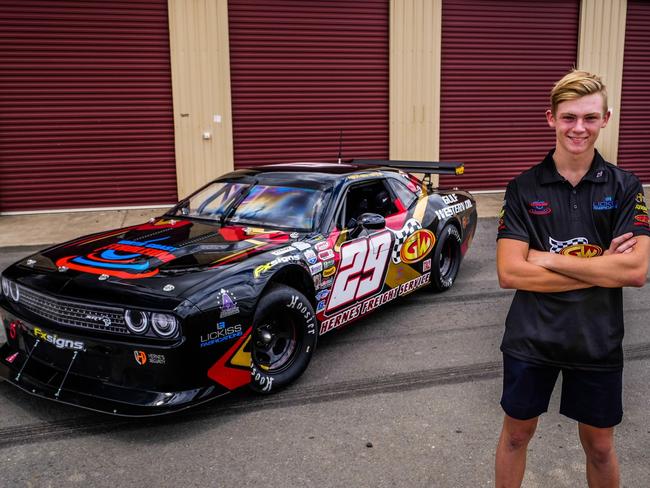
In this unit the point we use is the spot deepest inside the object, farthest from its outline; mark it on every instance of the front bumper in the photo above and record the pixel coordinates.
(109, 376)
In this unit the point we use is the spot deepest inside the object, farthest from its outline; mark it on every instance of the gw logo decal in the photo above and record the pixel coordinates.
(417, 246)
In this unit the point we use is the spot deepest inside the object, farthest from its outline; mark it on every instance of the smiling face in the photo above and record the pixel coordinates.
(577, 124)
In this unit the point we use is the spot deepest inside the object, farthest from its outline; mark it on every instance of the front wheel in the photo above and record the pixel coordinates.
(446, 259)
(283, 339)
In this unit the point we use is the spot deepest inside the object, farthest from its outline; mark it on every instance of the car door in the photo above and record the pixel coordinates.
(365, 256)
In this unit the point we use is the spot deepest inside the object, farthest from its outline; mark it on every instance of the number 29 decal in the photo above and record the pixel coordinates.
(362, 268)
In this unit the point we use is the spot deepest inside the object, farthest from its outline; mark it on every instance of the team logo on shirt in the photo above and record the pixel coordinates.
(539, 207)
(577, 246)
(502, 214)
(641, 220)
(640, 198)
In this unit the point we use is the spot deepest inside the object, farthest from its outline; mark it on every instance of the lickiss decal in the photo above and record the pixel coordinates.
(577, 246)
(124, 259)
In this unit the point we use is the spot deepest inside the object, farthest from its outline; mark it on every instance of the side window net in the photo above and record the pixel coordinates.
(373, 197)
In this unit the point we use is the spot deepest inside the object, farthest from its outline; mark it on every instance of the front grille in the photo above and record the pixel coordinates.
(63, 312)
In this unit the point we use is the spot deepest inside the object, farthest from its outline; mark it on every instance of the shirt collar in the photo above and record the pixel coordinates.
(596, 173)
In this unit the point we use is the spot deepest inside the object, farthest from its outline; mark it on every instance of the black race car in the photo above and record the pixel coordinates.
(231, 287)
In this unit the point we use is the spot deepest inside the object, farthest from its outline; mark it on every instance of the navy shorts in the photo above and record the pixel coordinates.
(590, 397)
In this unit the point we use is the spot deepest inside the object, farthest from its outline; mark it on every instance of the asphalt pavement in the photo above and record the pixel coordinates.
(407, 397)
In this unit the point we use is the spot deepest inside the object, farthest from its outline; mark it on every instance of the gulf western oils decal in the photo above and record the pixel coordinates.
(123, 259)
(417, 246)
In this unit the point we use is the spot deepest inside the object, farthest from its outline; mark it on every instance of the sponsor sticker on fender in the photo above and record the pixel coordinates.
(322, 246)
(326, 255)
(329, 272)
(417, 246)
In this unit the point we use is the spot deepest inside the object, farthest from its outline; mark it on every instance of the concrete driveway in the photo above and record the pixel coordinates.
(407, 397)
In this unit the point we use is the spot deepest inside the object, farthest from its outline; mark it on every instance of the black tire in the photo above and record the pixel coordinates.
(446, 259)
(283, 340)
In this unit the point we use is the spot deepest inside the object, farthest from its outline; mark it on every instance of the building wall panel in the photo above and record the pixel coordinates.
(201, 86)
(634, 148)
(85, 105)
(302, 73)
(600, 51)
(500, 59)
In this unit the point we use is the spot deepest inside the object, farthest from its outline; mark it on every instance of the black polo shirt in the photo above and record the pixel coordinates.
(581, 328)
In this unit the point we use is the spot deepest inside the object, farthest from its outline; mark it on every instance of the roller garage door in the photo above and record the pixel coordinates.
(500, 59)
(85, 105)
(303, 70)
(634, 134)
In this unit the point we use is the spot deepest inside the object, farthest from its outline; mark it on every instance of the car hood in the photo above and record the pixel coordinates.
(150, 256)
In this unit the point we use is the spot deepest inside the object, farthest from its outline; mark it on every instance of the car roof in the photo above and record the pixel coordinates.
(306, 171)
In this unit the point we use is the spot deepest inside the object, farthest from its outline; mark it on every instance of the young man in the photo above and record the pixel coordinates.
(573, 230)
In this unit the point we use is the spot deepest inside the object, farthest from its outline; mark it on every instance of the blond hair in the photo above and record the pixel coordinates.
(577, 84)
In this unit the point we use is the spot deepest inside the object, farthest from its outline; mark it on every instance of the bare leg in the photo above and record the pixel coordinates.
(602, 463)
(511, 451)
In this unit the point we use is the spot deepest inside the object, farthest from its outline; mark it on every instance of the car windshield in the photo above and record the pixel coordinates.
(266, 206)
(280, 206)
(212, 202)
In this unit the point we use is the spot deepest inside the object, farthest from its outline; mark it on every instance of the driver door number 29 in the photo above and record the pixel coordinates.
(361, 269)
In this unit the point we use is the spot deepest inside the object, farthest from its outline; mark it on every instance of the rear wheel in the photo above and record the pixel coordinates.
(446, 259)
(283, 339)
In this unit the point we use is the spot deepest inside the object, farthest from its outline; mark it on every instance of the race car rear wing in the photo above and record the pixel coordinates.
(431, 167)
(426, 167)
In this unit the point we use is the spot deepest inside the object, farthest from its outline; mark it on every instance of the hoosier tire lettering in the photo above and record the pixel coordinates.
(283, 338)
(446, 259)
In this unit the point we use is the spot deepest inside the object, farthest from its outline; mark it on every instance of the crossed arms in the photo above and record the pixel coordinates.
(625, 263)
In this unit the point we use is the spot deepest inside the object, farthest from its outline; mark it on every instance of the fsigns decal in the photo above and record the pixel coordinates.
(263, 268)
(58, 342)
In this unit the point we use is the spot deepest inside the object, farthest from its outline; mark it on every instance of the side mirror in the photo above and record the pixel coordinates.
(371, 221)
